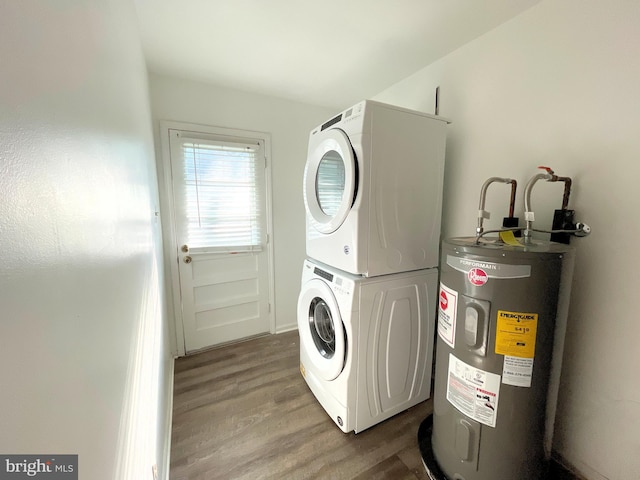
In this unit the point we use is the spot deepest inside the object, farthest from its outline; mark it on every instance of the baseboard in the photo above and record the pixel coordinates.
(167, 448)
(559, 469)
(286, 328)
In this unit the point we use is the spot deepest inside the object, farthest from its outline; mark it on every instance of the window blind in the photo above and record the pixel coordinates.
(223, 189)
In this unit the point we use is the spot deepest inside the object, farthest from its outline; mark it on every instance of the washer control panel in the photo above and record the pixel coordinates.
(340, 285)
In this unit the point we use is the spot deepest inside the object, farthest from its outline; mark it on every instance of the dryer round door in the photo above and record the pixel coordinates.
(321, 330)
(330, 180)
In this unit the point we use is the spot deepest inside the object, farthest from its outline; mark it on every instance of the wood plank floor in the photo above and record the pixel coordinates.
(244, 412)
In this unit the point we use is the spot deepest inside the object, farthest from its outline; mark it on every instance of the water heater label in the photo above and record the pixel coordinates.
(516, 334)
(447, 307)
(517, 371)
(473, 392)
(489, 269)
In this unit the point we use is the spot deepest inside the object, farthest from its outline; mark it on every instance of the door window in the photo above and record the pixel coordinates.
(223, 186)
(322, 330)
(330, 181)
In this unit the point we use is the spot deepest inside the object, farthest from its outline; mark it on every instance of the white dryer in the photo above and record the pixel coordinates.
(366, 344)
(373, 189)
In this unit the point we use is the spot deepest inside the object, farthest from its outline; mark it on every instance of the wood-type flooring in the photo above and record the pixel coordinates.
(244, 412)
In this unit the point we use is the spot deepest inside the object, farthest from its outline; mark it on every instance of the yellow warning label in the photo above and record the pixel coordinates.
(303, 371)
(509, 238)
(516, 334)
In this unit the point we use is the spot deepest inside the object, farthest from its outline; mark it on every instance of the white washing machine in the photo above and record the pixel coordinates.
(366, 344)
(373, 189)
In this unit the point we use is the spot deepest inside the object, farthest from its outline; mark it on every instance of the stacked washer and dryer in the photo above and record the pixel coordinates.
(366, 310)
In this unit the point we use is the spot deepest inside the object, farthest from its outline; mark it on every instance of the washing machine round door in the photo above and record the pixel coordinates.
(330, 180)
(321, 329)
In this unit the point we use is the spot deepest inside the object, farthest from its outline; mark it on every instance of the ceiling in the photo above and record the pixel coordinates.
(331, 52)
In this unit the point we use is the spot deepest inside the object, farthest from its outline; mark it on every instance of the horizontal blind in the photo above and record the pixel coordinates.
(223, 190)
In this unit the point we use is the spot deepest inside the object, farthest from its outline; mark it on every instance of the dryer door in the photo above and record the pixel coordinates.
(330, 180)
(321, 330)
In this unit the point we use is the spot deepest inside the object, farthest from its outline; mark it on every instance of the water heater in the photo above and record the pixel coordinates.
(501, 323)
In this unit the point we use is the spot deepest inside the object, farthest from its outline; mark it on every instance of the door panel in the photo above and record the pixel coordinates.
(226, 291)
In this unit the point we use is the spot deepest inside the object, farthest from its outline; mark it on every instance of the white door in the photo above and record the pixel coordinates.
(330, 180)
(221, 256)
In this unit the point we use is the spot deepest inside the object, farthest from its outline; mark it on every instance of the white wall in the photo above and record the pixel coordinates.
(84, 363)
(289, 124)
(558, 86)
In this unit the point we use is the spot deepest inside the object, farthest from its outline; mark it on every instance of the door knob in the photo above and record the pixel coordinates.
(187, 259)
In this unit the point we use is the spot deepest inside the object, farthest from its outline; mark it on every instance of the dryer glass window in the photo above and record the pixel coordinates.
(330, 181)
(321, 326)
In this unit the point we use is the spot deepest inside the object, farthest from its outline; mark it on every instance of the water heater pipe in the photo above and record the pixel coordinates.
(528, 213)
(482, 213)
(567, 191)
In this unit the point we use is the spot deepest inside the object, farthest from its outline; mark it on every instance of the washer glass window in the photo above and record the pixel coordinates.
(322, 329)
(330, 182)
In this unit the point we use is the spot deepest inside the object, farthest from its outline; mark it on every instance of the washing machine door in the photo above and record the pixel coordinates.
(321, 330)
(330, 180)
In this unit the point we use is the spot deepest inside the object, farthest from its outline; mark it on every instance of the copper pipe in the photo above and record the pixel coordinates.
(512, 199)
(567, 191)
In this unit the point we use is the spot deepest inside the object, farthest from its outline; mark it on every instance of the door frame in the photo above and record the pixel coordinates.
(167, 209)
